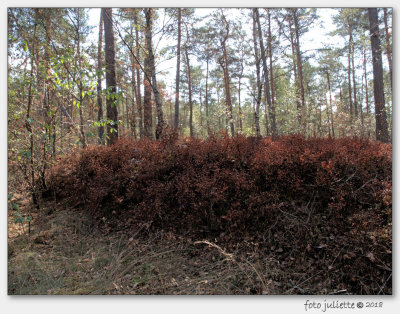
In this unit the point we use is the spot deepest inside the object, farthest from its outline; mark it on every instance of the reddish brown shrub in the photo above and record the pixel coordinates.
(227, 184)
(320, 201)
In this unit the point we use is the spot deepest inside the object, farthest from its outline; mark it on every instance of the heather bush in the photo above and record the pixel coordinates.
(227, 184)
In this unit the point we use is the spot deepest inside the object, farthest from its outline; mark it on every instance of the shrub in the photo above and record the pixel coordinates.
(227, 184)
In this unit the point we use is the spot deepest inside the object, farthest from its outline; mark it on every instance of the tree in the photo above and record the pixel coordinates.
(379, 97)
(147, 106)
(152, 72)
(266, 75)
(257, 97)
(178, 62)
(111, 82)
(99, 78)
(388, 45)
(223, 61)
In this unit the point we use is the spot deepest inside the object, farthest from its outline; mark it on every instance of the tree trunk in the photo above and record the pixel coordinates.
(132, 115)
(189, 78)
(296, 79)
(380, 112)
(354, 78)
(148, 122)
(28, 124)
(240, 107)
(160, 116)
(99, 79)
(258, 80)
(81, 122)
(330, 103)
(138, 92)
(273, 119)
(366, 92)
(271, 108)
(178, 63)
(225, 66)
(206, 97)
(388, 47)
(300, 69)
(349, 79)
(111, 82)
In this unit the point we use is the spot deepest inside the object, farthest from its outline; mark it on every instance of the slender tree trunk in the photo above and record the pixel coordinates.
(300, 69)
(160, 116)
(132, 114)
(274, 128)
(228, 90)
(258, 81)
(366, 80)
(138, 92)
(328, 118)
(366, 92)
(81, 121)
(330, 103)
(206, 97)
(349, 78)
(354, 79)
(388, 47)
(295, 73)
(361, 109)
(189, 78)
(240, 107)
(28, 124)
(271, 108)
(178, 62)
(148, 122)
(379, 97)
(320, 120)
(111, 82)
(225, 66)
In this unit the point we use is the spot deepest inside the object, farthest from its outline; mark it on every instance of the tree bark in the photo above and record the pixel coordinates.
(148, 122)
(300, 69)
(349, 78)
(178, 63)
(296, 78)
(271, 108)
(354, 79)
(380, 111)
(138, 92)
(206, 97)
(111, 82)
(225, 66)
(149, 35)
(99, 79)
(189, 78)
(270, 66)
(258, 79)
(330, 103)
(388, 47)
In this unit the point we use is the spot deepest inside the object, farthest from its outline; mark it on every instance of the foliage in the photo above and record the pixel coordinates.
(226, 183)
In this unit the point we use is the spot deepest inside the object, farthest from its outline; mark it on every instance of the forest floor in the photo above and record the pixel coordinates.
(65, 254)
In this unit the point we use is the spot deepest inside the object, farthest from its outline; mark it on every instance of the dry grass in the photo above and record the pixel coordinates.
(65, 254)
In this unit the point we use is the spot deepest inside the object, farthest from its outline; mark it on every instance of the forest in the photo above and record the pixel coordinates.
(200, 151)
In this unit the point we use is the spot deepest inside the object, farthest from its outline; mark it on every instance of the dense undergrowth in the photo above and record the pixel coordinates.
(315, 206)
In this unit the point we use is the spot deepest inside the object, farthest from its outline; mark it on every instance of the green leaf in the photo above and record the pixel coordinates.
(15, 206)
(25, 46)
